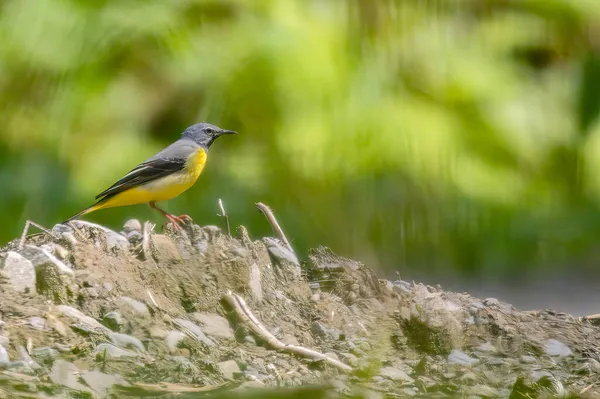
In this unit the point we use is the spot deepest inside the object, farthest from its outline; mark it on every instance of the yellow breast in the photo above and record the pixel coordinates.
(165, 188)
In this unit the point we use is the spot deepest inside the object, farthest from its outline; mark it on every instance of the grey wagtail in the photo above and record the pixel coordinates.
(163, 176)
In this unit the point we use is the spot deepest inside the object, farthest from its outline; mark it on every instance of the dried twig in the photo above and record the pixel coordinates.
(265, 210)
(28, 224)
(243, 312)
(148, 228)
(140, 389)
(224, 215)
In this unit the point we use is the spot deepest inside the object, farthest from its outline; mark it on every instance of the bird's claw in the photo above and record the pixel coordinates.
(177, 221)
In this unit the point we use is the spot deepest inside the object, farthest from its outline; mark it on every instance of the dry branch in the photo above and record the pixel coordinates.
(243, 312)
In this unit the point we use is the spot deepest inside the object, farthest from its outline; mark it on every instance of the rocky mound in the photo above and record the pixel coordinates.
(89, 312)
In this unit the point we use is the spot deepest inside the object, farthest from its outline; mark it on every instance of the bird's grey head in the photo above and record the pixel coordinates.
(204, 134)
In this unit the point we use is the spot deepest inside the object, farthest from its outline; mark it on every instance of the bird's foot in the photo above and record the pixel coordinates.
(177, 221)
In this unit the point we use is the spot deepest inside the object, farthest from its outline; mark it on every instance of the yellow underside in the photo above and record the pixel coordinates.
(163, 189)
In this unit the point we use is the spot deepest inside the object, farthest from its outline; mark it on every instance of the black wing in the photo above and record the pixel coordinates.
(150, 170)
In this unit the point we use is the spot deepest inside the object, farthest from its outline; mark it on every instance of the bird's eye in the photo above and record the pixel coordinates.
(209, 130)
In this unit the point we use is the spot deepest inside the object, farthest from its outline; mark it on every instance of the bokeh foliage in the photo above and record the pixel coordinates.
(439, 136)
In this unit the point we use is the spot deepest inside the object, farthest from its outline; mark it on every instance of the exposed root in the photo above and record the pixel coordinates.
(265, 210)
(243, 312)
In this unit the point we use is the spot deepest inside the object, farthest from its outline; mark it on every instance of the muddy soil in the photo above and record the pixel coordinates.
(88, 312)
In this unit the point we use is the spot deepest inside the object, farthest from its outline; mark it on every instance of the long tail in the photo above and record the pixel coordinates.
(89, 209)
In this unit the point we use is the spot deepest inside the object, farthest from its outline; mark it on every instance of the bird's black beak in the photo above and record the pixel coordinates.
(221, 132)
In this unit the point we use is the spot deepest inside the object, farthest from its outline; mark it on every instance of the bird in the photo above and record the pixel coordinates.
(163, 176)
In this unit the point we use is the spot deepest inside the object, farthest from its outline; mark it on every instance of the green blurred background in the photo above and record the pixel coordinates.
(447, 140)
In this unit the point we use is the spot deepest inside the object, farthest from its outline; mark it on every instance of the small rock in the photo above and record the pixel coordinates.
(139, 307)
(66, 374)
(349, 359)
(553, 347)
(42, 259)
(173, 339)
(214, 325)
(255, 283)
(132, 225)
(157, 332)
(37, 322)
(230, 369)
(323, 331)
(112, 351)
(459, 357)
(45, 354)
(102, 383)
(196, 331)
(88, 321)
(20, 272)
(395, 374)
(18, 367)
(126, 341)
(491, 302)
(103, 237)
(289, 340)
(528, 359)
(114, 320)
(3, 354)
(486, 347)
(4, 341)
(185, 364)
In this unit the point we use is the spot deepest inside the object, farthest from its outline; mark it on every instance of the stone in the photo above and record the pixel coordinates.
(289, 340)
(486, 347)
(103, 237)
(132, 225)
(76, 315)
(283, 257)
(395, 374)
(126, 341)
(66, 374)
(214, 325)
(19, 272)
(111, 351)
(321, 330)
(45, 354)
(3, 354)
(229, 369)
(26, 358)
(196, 331)
(459, 357)
(349, 359)
(102, 383)
(37, 323)
(553, 347)
(173, 339)
(114, 320)
(42, 259)
(528, 359)
(138, 307)
(255, 283)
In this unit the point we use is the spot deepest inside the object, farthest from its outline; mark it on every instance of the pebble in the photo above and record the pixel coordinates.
(126, 341)
(553, 347)
(37, 322)
(214, 325)
(230, 369)
(102, 383)
(43, 259)
(3, 354)
(196, 331)
(323, 331)
(349, 359)
(395, 374)
(66, 374)
(19, 272)
(459, 357)
(112, 239)
(114, 320)
(26, 358)
(527, 359)
(132, 225)
(255, 283)
(486, 347)
(88, 321)
(112, 351)
(139, 307)
(173, 339)
(45, 354)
